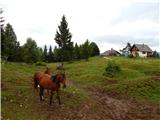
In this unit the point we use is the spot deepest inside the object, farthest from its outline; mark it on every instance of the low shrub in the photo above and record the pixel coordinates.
(112, 69)
(39, 63)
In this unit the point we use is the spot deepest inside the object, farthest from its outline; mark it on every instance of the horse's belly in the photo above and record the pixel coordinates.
(48, 85)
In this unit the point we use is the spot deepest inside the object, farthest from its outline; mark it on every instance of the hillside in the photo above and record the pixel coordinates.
(134, 93)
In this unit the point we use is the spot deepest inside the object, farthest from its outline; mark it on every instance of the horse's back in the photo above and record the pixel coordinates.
(46, 82)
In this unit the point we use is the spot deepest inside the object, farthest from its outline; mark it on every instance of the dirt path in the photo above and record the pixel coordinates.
(106, 106)
(111, 106)
(101, 105)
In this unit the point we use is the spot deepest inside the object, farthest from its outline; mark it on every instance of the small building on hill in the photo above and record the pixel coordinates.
(126, 51)
(111, 52)
(141, 50)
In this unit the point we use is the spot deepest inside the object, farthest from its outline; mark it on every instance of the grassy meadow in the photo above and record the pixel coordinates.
(138, 78)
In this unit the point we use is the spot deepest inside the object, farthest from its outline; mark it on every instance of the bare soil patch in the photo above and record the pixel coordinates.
(156, 77)
(105, 106)
(112, 106)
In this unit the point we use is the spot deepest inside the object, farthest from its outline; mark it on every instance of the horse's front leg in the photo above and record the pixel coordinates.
(58, 97)
(51, 96)
(41, 93)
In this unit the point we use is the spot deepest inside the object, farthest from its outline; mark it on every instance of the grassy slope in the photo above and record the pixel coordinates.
(20, 100)
(135, 79)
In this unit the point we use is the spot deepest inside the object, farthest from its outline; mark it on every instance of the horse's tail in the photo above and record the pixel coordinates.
(35, 81)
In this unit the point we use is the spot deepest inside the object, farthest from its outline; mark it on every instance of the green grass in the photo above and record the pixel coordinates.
(20, 101)
(135, 78)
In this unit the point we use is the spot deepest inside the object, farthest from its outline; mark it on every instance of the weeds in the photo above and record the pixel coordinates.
(112, 69)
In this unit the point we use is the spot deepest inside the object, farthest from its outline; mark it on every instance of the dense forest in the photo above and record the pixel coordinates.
(66, 50)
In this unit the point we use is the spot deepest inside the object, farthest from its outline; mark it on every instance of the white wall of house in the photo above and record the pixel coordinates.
(141, 54)
(134, 53)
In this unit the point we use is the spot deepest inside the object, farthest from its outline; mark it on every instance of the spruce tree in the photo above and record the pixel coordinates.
(63, 39)
(86, 50)
(9, 43)
(50, 55)
(76, 52)
(45, 53)
(94, 49)
(155, 54)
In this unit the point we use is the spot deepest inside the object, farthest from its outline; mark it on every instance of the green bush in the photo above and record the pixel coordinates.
(112, 69)
(39, 63)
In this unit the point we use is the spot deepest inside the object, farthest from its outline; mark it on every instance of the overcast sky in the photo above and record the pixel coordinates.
(109, 23)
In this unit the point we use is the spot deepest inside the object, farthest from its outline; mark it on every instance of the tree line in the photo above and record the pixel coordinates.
(31, 53)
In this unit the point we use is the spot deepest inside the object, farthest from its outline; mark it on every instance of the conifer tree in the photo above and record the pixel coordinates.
(94, 49)
(50, 55)
(86, 50)
(45, 53)
(63, 39)
(76, 52)
(155, 54)
(9, 43)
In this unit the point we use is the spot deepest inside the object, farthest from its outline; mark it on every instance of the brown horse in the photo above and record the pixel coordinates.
(51, 83)
(38, 75)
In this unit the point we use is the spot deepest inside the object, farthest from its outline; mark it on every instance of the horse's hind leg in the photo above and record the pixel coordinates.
(58, 97)
(41, 93)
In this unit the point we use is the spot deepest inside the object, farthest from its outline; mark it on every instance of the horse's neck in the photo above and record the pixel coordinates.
(54, 78)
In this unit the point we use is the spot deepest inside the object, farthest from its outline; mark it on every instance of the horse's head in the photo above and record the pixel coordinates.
(48, 71)
(62, 79)
(37, 76)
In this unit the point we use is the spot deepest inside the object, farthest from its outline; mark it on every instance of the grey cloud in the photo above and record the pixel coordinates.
(37, 30)
(138, 11)
(119, 40)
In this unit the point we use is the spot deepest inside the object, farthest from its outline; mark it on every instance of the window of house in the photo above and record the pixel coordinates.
(143, 52)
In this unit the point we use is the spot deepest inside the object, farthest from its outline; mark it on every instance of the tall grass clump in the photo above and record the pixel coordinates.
(112, 69)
